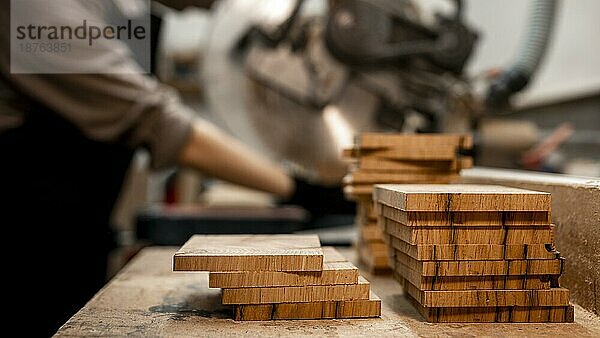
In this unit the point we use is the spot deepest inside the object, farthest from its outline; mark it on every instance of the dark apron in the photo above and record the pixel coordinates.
(59, 190)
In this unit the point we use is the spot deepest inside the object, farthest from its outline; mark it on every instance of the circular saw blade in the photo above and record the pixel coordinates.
(309, 138)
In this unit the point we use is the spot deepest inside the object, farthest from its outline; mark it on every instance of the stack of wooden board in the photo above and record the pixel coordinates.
(268, 277)
(379, 158)
(474, 253)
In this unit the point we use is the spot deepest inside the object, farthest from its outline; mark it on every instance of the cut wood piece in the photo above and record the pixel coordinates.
(334, 273)
(360, 177)
(368, 224)
(376, 262)
(460, 197)
(394, 140)
(474, 252)
(375, 246)
(365, 212)
(507, 314)
(443, 283)
(427, 153)
(336, 270)
(348, 153)
(331, 255)
(468, 234)
(250, 253)
(362, 308)
(297, 294)
(465, 218)
(576, 212)
(384, 165)
(530, 267)
(549, 314)
(488, 298)
(368, 210)
(371, 233)
(361, 193)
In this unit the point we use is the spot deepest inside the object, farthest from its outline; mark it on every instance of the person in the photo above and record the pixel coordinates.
(66, 141)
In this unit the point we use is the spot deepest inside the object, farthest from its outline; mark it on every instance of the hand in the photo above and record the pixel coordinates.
(320, 200)
(213, 152)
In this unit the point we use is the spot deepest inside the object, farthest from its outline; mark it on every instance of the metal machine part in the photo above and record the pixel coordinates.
(529, 56)
(373, 33)
(302, 85)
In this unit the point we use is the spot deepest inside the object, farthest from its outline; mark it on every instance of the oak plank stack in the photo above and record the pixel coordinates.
(474, 253)
(269, 277)
(379, 158)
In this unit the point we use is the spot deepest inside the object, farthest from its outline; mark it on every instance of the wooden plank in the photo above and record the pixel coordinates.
(575, 211)
(358, 192)
(443, 283)
(465, 218)
(250, 253)
(336, 270)
(474, 252)
(377, 262)
(371, 233)
(529, 267)
(468, 234)
(365, 224)
(460, 197)
(506, 314)
(384, 165)
(390, 140)
(332, 274)
(297, 294)
(360, 177)
(375, 246)
(361, 308)
(427, 153)
(488, 298)
(348, 153)
(367, 210)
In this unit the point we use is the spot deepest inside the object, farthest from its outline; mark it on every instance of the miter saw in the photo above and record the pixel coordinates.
(297, 79)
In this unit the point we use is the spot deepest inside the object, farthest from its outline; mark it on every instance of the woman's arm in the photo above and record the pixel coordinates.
(213, 152)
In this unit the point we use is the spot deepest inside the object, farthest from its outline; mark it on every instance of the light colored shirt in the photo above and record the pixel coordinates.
(117, 106)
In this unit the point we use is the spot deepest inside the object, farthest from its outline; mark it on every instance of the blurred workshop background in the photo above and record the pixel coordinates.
(297, 79)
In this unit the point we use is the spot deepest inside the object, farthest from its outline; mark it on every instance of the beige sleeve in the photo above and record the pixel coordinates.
(131, 109)
(120, 105)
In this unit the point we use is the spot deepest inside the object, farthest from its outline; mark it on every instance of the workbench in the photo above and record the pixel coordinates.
(147, 299)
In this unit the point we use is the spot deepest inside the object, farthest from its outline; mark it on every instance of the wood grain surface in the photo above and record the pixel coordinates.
(250, 253)
(460, 197)
(383, 140)
(147, 299)
(336, 270)
(375, 165)
(443, 283)
(362, 308)
(371, 233)
(493, 298)
(441, 153)
(506, 314)
(462, 252)
(465, 218)
(468, 234)
(527, 267)
(297, 294)
(575, 211)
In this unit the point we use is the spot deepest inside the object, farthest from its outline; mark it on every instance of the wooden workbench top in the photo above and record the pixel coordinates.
(146, 298)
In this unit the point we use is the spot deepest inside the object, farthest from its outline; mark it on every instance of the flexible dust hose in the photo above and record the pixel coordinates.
(529, 56)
